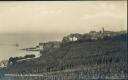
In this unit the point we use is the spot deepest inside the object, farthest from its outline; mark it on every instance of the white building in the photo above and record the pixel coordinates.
(73, 38)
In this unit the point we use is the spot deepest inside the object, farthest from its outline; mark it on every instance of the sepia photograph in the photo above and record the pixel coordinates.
(63, 40)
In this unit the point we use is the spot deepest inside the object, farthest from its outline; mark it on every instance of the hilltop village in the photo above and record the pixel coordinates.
(91, 36)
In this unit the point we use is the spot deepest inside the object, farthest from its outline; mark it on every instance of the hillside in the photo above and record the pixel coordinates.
(102, 57)
(79, 54)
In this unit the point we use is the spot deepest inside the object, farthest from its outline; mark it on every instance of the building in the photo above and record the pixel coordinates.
(71, 38)
(49, 45)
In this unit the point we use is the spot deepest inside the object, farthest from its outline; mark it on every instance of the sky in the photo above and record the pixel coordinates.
(62, 16)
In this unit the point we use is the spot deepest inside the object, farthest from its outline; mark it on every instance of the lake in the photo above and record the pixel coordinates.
(8, 43)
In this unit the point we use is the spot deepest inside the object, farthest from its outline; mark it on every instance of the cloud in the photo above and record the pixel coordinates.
(59, 16)
(103, 14)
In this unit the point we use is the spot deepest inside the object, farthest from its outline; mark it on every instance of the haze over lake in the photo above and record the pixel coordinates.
(8, 43)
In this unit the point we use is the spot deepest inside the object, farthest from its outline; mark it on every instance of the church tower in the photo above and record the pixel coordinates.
(102, 30)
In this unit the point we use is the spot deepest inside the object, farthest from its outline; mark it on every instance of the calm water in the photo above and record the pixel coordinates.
(8, 43)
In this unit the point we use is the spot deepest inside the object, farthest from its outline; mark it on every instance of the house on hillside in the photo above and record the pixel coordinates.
(71, 38)
(40, 46)
(93, 35)
(100, 35)
(49, 45)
